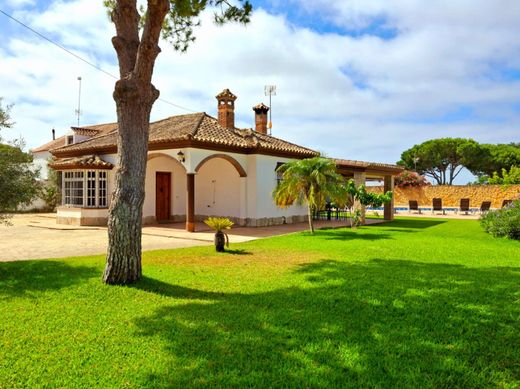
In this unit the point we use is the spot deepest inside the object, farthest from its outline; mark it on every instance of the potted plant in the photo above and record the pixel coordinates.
(218, 224)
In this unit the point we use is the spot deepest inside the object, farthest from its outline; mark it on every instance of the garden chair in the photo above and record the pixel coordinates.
(437, 206)
(506, 203)
(484, 207)
(413, 205)
(464, 206)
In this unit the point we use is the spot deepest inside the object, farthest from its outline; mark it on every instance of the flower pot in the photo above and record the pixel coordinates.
(220, 241)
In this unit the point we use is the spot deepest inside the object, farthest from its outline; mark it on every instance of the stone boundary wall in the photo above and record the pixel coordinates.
(451, 194)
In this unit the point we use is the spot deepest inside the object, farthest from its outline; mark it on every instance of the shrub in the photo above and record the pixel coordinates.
(409, 178)
(510, 177)
(503, 222)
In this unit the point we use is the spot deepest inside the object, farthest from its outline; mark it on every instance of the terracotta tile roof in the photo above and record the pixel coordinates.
(198, 127)
(60, 141)
(83, 162)
(348, 163)
(97, 129)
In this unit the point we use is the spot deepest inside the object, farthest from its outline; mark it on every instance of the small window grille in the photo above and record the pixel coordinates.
(91, 188)
(102, 196)
(73, 188)
(279, 175)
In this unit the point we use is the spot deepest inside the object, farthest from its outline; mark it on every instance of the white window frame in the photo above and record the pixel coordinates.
(98, 181)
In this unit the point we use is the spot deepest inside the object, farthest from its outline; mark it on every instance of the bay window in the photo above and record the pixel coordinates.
(85, 188)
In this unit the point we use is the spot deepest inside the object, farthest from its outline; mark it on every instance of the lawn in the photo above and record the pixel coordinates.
(412, 303)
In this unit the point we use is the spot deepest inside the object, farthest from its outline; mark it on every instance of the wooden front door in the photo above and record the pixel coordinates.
(162, 196)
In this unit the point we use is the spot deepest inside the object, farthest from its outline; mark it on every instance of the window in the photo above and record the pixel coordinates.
(102, 193)
(85, 188)
(279, 176)
(70, 139)
(91, 188)
(73, 187)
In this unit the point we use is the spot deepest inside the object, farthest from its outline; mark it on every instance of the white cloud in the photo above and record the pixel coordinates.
(19, 3)
(353, 97)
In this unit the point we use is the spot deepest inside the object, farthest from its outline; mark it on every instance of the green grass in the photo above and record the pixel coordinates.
(413, 303)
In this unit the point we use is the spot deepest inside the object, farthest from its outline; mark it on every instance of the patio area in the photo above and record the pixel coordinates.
(38, 236)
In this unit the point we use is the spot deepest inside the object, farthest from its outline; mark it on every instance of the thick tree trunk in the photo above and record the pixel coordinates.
(125, 214)
(309, 215)
(134, 95)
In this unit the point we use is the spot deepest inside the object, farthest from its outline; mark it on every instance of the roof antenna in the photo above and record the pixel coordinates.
(78, 111)
(270, 90)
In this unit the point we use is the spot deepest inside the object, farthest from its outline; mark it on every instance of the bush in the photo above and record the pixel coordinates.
(503, 222)
(510, 177)
(409, 178)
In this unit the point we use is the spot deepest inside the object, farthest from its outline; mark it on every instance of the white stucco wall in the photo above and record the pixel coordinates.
(217, 189)
(40, 161)
(265, 178)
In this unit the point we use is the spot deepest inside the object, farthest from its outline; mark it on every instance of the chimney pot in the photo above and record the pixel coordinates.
(226, 108)
(53, 134)
(261, 118)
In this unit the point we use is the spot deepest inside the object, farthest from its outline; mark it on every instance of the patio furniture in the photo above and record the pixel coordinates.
(437, 206)
(413, 205)
(506, 203)
(484, 207)
(464, 206)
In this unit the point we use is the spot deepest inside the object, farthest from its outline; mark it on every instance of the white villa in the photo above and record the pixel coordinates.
(198, 166)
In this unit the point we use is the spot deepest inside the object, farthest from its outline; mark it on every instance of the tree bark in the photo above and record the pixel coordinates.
(134, 95)
(309, 215)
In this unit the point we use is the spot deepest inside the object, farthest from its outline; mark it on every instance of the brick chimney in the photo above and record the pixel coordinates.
(261, 117)
(226, 108)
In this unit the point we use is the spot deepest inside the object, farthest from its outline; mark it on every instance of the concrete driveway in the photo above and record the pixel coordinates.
(36, 236)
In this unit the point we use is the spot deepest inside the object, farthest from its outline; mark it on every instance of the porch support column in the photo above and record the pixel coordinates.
(190, 202)
(360, 178)
(389, 207)
(243, 200)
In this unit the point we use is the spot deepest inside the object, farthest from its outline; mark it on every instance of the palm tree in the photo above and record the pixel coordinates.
(308, 181)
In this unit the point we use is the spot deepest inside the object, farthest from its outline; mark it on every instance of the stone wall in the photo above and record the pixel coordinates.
(451, 194)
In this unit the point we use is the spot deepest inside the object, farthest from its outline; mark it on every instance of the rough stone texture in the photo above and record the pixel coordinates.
(149, 220)
(93, 221)
(451, 195)
(262, 222)
(70, 221)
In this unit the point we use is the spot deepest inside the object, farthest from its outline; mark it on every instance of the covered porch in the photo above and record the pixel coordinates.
(366, 172)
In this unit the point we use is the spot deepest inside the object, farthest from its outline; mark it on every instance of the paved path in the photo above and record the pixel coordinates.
(36, 236)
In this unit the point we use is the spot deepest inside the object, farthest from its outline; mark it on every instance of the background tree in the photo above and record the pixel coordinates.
(308, 181)
(18, 180)
(5, 118)
(441, 159)
(511, 177)
(489, 159)
(136, 45)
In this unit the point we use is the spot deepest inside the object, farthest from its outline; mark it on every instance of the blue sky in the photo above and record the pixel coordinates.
(356, 79)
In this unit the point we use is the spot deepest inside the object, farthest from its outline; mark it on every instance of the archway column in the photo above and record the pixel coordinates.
(389, 207)
(243, 198)
(190, 202)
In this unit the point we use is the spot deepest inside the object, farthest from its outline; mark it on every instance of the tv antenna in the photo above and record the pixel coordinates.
(270, 90)
(78, 111)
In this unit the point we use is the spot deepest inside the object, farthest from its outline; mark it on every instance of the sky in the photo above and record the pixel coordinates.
(356, 79)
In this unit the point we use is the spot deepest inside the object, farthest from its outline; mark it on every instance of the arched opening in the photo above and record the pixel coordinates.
(231, 160)
(218, 184)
